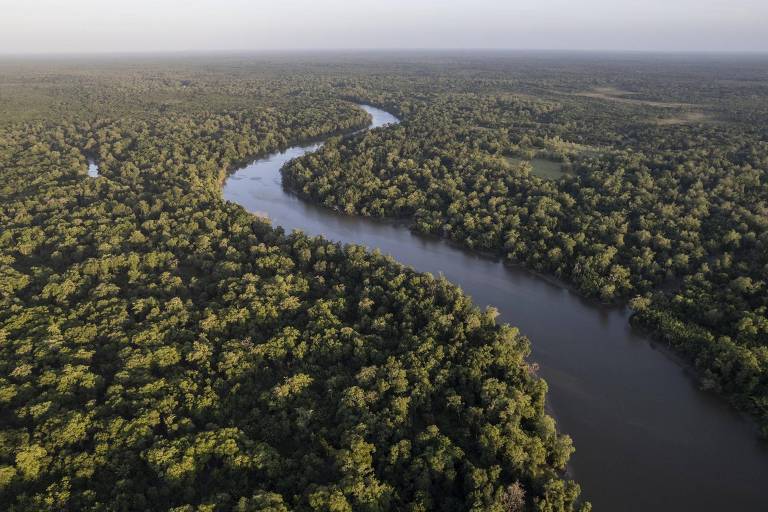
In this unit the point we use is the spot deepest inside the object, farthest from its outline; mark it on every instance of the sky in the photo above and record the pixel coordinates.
(85, 26)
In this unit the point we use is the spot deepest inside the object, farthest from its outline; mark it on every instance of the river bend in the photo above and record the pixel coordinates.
(647, 439)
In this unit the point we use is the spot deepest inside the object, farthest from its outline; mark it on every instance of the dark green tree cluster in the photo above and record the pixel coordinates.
(164, 350)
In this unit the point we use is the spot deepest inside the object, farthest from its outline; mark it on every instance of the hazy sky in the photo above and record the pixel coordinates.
(171, 25)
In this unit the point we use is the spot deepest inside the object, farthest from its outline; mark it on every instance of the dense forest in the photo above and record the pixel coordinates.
(662, 199)
(163, 349)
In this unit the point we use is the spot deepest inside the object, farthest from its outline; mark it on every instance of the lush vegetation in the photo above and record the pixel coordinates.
(165, 350)
(666, 205)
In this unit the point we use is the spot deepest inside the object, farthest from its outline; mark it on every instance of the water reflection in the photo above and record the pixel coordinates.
(93, 169)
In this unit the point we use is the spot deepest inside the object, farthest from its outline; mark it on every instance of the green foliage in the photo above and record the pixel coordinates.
(162, 349)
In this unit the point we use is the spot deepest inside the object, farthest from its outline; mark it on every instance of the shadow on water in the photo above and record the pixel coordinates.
(646, 437)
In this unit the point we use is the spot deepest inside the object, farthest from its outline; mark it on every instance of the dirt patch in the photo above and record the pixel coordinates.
(620, 96)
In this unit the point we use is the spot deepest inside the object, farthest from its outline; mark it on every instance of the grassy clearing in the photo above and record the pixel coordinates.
(541, 167)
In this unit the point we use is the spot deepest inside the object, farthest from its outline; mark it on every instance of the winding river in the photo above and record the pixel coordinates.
(646, 438)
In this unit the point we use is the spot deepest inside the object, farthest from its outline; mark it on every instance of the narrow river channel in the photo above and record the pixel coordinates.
(646, 438)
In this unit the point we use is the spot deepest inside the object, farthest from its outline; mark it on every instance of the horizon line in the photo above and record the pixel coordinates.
(235, 51)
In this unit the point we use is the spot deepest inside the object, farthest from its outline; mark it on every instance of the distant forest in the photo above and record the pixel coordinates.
(163, 349)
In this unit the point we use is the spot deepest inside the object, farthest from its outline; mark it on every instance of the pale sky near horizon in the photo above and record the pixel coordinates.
(62, 26)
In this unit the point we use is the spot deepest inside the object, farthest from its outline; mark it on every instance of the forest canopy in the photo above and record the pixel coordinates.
(163, 349)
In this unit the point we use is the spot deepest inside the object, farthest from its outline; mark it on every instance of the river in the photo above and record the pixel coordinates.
(647, 439)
